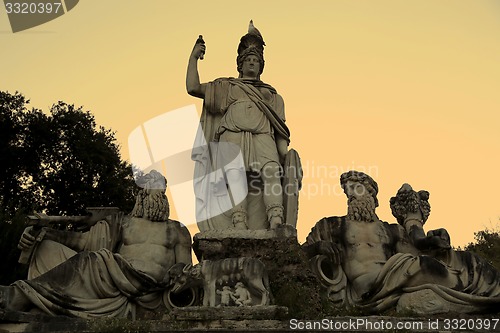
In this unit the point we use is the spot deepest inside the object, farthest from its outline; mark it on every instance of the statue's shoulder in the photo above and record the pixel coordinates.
(395, 230)
(181, 229)
(388, 225)
(221, 80)
(328, 228)
(279, 99)
(221, 85)
(174, 224)
(333, 220)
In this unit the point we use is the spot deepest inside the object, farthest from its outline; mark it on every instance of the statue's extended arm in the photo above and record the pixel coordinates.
(412, 209)
(433, 240)
(73, 240)
(193, 85)
(325, 238)
(332, 250)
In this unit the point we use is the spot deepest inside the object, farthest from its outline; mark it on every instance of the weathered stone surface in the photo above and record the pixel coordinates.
(226, 282)
(210, 320)
(13, 321)
(117, 266)
(292, 282)
(427, 301)
(368, 264)
(199, 313)
(284, 231)
(247, 319)
(219, 244)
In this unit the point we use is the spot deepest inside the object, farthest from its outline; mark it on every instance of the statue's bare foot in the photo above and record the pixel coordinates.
(240, 226)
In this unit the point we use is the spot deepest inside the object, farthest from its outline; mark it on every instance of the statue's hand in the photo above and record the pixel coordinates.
(332, 251)
(27, 240)
(439, 239)
(198, 50)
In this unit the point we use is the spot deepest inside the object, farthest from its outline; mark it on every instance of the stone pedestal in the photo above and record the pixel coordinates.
(427, 302)
(237, 319)
(293, 284)
(253, 318)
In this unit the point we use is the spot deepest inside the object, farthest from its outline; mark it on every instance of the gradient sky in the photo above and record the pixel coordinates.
(405, 90)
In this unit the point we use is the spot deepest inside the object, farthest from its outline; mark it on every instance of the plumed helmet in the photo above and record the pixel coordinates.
(251, 44)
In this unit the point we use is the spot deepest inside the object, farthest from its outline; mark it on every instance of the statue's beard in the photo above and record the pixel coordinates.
(361, 209)
(152, 206)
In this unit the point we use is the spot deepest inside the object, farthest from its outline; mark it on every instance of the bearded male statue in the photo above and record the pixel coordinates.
(121, 263)
(372, 265)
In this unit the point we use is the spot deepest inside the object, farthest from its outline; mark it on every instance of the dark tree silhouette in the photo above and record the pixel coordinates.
(487, 245)
(58, 163)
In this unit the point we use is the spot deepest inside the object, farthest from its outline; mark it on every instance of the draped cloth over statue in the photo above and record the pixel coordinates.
(254, 119)
(480, 290)
(240, 122)
(92, 283)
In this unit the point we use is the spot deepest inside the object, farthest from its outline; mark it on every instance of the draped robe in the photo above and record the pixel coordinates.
(480, 281)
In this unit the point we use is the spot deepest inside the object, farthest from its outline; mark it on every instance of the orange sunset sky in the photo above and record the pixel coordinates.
(408, 91)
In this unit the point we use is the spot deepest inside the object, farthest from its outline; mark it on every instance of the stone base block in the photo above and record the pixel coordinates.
(293, 284)
(427, 302)
(205, 313)
(255, 319)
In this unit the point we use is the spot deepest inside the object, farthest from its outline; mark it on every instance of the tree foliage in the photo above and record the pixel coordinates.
(487, 245)
(58, 163)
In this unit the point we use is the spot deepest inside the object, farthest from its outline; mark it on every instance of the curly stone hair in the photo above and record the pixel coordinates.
(360, 177)
(151, 202)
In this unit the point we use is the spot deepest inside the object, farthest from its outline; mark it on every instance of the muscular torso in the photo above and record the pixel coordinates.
(149, 246)
(364, 253)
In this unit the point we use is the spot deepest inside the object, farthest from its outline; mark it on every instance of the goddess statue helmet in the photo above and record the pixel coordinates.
(251, 44)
